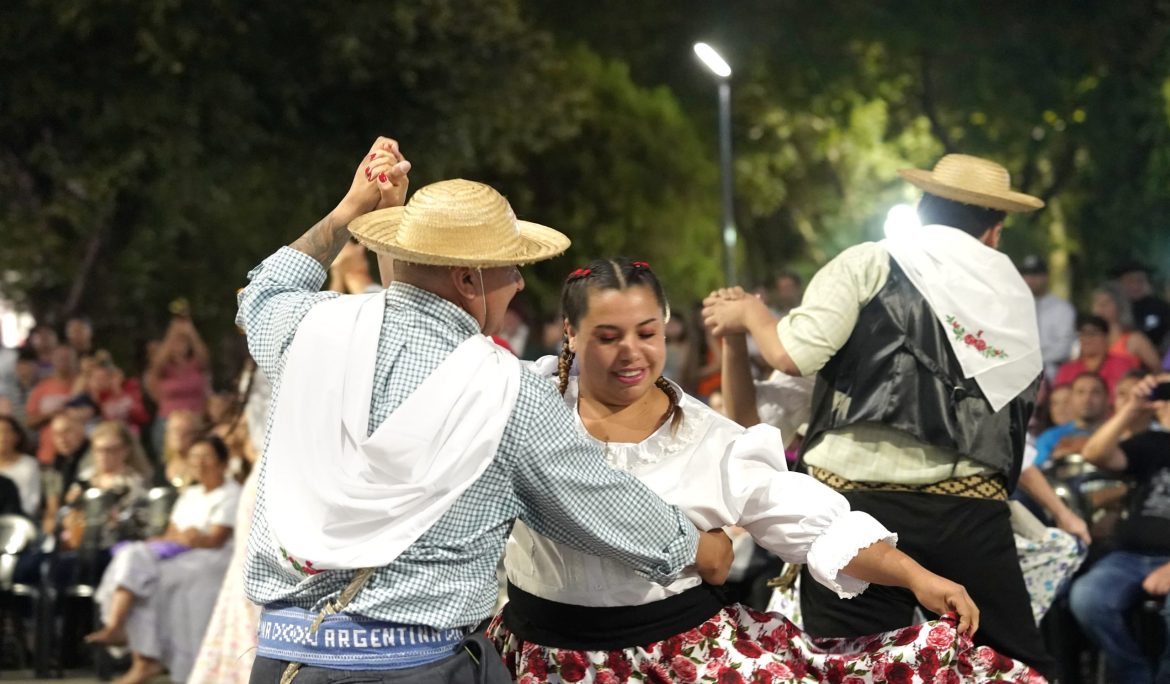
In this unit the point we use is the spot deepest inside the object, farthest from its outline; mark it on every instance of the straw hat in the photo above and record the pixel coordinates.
(972, 180)
(457, 223)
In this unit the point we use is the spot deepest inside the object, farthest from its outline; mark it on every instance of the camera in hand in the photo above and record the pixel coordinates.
(1161, 392)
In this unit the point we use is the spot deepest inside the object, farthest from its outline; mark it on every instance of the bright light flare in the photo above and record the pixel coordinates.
(714, 62)
(901, 217)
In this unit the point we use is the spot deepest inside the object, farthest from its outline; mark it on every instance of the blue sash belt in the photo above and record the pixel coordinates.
(351, 642)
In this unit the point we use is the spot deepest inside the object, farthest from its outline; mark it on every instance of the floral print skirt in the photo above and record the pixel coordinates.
(739, 644)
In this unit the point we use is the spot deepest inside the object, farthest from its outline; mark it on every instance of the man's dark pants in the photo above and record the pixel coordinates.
(963, 539)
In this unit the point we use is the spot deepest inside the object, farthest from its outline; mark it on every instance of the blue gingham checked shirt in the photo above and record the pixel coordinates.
(544, 472)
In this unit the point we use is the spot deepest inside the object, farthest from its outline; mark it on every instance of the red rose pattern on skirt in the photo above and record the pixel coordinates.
(743, 646)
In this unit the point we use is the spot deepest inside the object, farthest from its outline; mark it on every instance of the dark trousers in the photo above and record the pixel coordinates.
(486, 667)
(966, 540)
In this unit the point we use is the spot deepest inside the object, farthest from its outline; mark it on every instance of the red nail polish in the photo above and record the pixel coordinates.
(373, 155)
(382, 177)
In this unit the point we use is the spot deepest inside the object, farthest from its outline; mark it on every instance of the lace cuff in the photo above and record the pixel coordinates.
(839, 544)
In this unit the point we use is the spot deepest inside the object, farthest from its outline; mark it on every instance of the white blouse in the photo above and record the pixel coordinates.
(202, 510)
(720, 475)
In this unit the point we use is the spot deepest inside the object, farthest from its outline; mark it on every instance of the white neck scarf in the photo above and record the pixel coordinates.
(982, 302)
(340, 499)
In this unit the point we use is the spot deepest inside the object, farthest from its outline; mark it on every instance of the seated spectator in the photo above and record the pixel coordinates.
(1142, 418)
(1089, 402)
(118, 470)
(229, 646)
(1060, 405)
(157, 596)
(116, 398)
(18, 466)
(83, 409)
(1151, 313)
(79, 335)
(1124, 340)
(10, 502)
(26, 375)
(70, 462)
(42, 339)
(178, 377)
(1055, 317)
(49, 397)
(182, 429)
(1093, 332)
(1140, 564)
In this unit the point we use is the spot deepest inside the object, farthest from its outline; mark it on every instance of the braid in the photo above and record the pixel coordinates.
(676, 412)
(564, 363)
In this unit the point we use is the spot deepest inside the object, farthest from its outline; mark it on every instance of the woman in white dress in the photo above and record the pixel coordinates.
(156, 596)
(574, 617)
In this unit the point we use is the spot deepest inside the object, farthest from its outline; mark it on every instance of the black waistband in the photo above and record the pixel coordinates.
(587, 628)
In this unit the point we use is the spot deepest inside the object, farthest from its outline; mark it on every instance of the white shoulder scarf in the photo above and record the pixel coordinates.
(982, 302)
(338, 498)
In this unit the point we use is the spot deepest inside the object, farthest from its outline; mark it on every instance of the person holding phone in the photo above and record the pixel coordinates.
(1140, 563)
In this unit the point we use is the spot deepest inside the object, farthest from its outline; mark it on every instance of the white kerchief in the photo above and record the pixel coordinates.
(341, 499)
(980, 299)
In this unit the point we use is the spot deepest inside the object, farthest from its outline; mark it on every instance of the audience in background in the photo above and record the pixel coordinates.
(48, 398)
(1055, 317)
(18, 466)
(178, 378)
(1095, 357)
(1151, 313)
(1103, 597)
(1089, 404)
(1111, 305)
(79, 335)
(182, 429)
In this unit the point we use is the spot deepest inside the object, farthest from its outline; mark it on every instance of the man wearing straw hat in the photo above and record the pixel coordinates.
(403, 443)
(927, 357)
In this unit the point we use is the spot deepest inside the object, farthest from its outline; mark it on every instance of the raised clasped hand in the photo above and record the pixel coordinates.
(380, 181)
(725, 311)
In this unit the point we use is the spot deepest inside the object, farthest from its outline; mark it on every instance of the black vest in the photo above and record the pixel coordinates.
(898, 369)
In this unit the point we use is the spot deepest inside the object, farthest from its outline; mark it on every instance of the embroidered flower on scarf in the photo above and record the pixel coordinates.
(305, 568)
(975, 340)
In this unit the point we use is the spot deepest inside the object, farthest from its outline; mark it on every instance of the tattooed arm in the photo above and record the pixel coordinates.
(283, 288)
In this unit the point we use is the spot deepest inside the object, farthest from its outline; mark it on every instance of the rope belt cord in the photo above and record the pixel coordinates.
(360, 579)
(992, 487)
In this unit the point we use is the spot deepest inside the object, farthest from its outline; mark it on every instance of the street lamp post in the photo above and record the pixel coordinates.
(718, 66)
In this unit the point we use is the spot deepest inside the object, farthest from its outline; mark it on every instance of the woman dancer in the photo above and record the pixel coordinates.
(573, 617)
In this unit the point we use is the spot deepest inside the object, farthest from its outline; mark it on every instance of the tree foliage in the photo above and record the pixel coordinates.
(159, 148)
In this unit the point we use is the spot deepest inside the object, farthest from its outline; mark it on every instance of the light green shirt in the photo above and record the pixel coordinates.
(813, 332)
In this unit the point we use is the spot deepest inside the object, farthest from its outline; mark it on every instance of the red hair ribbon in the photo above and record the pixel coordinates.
(579, 273)
(640, 264)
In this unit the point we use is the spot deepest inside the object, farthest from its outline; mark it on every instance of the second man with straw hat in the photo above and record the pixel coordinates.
(403, 443)
(927, 359)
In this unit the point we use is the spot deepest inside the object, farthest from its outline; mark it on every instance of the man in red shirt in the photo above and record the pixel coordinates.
(48, 398)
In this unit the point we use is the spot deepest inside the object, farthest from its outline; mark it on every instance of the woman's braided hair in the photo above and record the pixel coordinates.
(618, 273)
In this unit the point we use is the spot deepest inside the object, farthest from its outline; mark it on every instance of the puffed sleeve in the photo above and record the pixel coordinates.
(793, 515)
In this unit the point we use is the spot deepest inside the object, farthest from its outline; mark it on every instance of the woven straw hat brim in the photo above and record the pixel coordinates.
(1006, 200)
(378, 230)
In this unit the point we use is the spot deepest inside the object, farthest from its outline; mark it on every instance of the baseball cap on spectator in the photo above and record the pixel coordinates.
(1033, 264)
(1130, 266)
